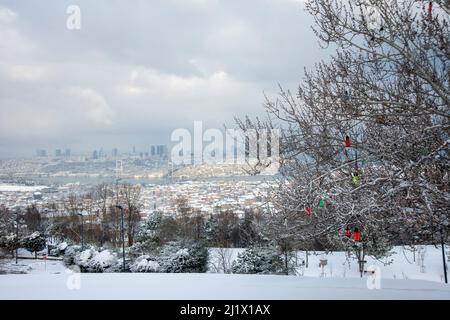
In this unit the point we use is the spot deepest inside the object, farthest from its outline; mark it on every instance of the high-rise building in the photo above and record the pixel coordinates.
(115, 152)
(161, 150)
(41, 153)
(153, 151)
(58, 153)
(67, 153)
(95, 155)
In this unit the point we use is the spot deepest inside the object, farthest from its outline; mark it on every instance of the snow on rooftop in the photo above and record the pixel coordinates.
(18, 188)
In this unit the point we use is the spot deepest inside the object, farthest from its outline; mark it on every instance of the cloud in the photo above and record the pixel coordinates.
(19, 72)
(7, 16)
(139, 69)
(92, 104)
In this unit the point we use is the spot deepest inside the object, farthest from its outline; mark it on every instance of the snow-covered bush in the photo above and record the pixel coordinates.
(145, 263)
(62, 246)
(138, 249)
(91, 260)
(35, 242)
(83, 258)
(148, 238)
(9, 242)
(258, 261)
(69, 255)
(103, 261)
(59, 249)
(183, 257)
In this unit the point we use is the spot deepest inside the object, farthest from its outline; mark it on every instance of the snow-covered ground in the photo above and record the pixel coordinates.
(404, 278)
(423, 264)
(209, 287)
(26, 266)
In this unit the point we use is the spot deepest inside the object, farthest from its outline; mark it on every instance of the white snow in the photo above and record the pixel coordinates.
(423, 264)
(18, 188)
(339, 279)
(158, 286)
(84, 257)
(62, 246)
(104, 258)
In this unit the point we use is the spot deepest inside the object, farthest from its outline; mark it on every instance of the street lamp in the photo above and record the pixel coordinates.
(123, 238)
(17, 236)
(443, 255)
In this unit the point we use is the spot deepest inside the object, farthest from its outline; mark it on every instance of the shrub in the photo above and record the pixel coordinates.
(145, 263)
(69, 255)
(258, 261)
(35, 242)
(183, 257)
(103, 261)
(9, 242)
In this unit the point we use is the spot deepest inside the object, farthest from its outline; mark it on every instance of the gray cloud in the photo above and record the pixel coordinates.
(139, 69)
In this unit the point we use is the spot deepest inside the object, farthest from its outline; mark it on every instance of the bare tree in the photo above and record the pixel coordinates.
(365, 140)
(131, 197)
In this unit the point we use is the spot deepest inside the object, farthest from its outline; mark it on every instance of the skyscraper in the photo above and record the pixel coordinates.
(41, 153)
(161, 150)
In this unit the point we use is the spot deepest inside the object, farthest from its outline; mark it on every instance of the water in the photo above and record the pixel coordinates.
(52, 181)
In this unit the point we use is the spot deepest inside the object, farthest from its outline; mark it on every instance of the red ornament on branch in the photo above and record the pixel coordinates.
(347, 142)
(348, 233)
(430, 7)
(308, 211)
(356, 235)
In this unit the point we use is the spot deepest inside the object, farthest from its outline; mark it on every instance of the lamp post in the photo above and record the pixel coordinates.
(123, 238)
(443, 256)
(17, 236)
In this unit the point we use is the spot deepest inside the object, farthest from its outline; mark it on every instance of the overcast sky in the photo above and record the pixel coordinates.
(139, 69)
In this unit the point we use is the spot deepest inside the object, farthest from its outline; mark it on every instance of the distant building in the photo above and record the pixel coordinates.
(58, 153)
(153, 151)
(37, 196)
(95, 155)
(161, 150)
(146, 154)
(115, 152)
(67, 153)
(141, 155)
(41, 153)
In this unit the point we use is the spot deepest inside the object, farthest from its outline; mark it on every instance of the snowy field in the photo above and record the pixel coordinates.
(404, 278)
(209, 287)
